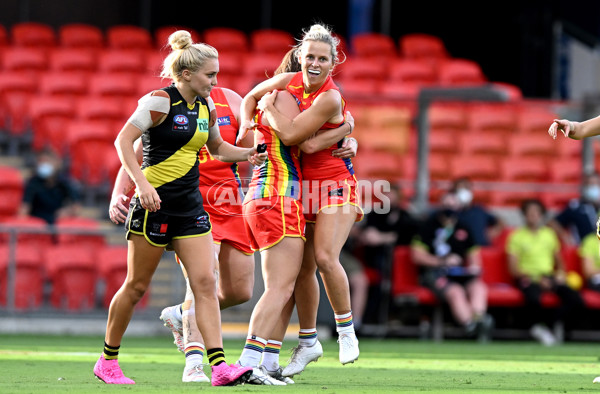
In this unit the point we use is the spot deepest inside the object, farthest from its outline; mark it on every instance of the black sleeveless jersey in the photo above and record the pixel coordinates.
(171, 155)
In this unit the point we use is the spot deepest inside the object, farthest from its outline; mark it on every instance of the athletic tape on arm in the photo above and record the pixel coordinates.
(141, 117)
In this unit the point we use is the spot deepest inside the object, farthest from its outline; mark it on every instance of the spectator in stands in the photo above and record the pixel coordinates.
(590, 261)
(484, 226)
(49, 193)
(535, 262)
(450, 266)
(578, 218)
(381, 233)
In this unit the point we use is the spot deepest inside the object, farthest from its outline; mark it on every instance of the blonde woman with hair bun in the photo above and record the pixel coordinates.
(174, 123)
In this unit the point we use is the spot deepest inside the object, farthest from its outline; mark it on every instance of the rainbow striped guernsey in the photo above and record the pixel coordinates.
(280, 173)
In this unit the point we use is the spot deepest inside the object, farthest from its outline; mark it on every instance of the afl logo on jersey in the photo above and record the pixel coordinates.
(181, 120)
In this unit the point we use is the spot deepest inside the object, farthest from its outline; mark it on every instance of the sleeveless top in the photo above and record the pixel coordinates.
(171, 149)
(320, 165)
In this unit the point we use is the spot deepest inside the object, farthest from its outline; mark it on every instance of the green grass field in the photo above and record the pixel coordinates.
(47, 364)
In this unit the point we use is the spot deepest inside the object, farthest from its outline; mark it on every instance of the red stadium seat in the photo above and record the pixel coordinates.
(79, 60)
(147, 83)
(530, 144)
(422, 46)
(121, 60)
(362, 70)
(475, 167)
(78, 230)
(31, 231)
(161, 36)
(412, 71)
(271, 41)
(33, 34)
(460, 72)
(81, 35)
(31, 60)
(440, 166)
(405, 281)
(523, 169)
(89, 149)
(534, 119)
(63, 84)
(29, 277)
(259, 68)
(112, 85)
(129, 37)
(374, 45)
(374, 164)
(49, 115)
(492, 118)
(359, 88)
(16, 90)
(447, 116)
(443, 141)
(11, 191)
(401, 91)
(73, 273)
(483, 143)
(113, 270)
(495, 273)
(230, 64)
(101, 108)
(227, 40)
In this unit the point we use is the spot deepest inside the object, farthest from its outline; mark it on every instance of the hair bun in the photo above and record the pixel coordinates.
(180, 39)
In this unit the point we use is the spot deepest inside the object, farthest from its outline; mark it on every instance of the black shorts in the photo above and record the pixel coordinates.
(159, 228)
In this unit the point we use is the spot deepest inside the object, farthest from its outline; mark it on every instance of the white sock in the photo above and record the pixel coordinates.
(270, 357)
(307, 337)
(253, 350)
(344, 324)
(194, 353)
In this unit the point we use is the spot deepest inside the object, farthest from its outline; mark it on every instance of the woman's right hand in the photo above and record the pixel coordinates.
(148, 197)
(118, 208)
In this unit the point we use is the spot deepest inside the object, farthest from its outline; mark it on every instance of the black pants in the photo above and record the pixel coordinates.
(568, 311)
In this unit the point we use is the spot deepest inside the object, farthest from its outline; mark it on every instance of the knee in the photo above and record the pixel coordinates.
(325, 260)
(237, 295)
(203, 284)
(135, 290)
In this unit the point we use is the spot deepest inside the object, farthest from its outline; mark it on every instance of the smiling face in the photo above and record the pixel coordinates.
(202, 81)
(317, 62)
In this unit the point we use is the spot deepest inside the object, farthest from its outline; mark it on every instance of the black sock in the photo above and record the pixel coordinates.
(110, 352)
(216, 356)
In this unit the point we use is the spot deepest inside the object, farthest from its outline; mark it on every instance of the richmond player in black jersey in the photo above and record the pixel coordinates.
(174, 123)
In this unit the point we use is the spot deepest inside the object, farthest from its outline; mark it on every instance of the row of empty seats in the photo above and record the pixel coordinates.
(226, 39)
(75, 263)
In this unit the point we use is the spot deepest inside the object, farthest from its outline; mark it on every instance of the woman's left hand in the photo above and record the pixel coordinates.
(348, 149)
(255, 158)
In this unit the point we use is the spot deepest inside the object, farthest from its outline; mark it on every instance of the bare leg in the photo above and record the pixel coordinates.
(197, 256)
(456, 297)
(142, 260)
(331, 231)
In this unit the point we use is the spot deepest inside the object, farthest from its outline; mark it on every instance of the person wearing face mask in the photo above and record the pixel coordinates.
(484, 226)
(449, 264)
(49, 194)
(535, 262)
(578, 218)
